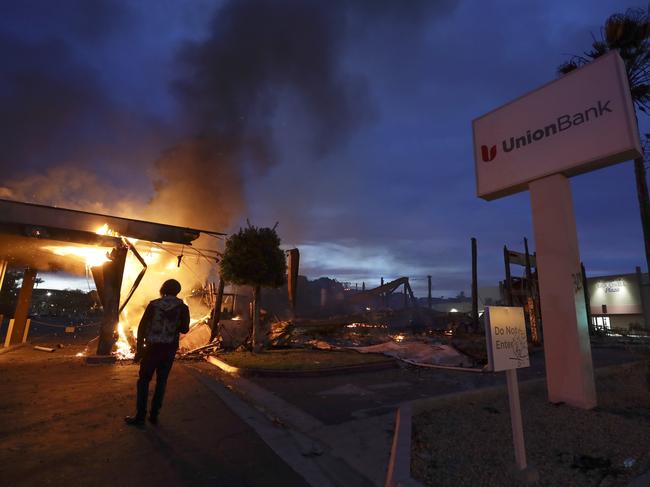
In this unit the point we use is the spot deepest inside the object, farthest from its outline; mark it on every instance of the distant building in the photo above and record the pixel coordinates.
(619, 301)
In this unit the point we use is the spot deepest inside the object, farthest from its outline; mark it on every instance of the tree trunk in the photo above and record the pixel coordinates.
(644, 205)
(255, 341)
(216, 311)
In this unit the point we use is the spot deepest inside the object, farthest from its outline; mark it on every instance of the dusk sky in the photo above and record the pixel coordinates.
(348, 122)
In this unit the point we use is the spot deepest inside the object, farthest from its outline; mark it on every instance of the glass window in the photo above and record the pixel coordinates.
(601, 323)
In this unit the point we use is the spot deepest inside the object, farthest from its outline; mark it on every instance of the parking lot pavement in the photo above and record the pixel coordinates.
(337, 399)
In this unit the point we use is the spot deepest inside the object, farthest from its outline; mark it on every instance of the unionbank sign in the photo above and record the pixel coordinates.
(578, 123)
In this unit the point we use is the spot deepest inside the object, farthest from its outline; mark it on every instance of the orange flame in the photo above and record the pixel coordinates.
(92, 256)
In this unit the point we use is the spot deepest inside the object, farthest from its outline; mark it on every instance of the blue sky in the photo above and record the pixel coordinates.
(367, 158)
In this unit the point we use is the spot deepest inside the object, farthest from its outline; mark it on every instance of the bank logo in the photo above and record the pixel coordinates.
(488, 153)
(560, 124)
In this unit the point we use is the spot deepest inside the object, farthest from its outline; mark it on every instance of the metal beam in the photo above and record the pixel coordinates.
(62, 220)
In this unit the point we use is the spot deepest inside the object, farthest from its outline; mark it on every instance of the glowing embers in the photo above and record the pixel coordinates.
(398, 338)
(365, 325)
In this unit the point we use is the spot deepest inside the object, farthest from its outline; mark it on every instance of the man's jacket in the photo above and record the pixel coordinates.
(162, 322)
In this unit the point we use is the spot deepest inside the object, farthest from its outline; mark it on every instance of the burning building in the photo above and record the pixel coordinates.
(115, 252)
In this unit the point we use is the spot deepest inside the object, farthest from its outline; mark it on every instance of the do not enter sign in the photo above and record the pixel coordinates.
(505, 332)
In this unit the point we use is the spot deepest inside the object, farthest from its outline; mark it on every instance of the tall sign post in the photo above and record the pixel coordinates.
(579, 123)
(507, 346)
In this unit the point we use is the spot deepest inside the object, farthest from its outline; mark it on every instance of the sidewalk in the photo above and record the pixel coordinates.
(61, 423)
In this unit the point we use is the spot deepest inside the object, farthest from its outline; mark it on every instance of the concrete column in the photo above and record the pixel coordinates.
(22, 308)
(3, 271)
(569, 368)
(108, 280)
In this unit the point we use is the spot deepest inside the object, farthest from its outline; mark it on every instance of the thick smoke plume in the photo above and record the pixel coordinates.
(258, 58)
(264, 69)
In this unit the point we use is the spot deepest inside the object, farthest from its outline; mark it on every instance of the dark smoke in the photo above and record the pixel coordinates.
(261, 54)
(259, 59)
(258, 56)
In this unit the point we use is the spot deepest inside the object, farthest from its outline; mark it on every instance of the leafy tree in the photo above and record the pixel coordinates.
(629, 34)
(253, 258)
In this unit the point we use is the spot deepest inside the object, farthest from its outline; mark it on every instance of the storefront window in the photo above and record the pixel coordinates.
(601, 323)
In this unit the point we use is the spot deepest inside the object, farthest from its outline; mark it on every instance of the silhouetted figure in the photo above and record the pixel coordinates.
(162, 322)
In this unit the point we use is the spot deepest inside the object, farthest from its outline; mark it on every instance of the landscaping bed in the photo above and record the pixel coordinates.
(302, 360)
(468, 440)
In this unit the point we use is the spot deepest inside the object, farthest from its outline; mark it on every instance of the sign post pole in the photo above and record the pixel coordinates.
(515, 419)
(507, 347)
(567, 351)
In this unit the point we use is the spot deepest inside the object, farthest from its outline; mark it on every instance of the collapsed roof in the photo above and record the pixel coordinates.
(26, 229)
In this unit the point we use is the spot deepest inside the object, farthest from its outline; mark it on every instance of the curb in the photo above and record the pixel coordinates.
(385, 364)
(399, 463)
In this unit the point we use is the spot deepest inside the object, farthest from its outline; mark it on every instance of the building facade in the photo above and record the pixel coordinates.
(619, 302)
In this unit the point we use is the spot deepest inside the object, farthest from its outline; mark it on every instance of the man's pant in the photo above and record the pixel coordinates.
(158, 358)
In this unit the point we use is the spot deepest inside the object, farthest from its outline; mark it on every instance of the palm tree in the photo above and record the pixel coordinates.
(629, 34)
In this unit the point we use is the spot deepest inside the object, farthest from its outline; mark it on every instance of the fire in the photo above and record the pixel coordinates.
(105, 230)
(160, 262)
(92, 256)
(108, 231)
(124, 349)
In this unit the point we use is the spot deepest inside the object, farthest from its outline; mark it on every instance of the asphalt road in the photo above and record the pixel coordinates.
(61, 423)
(341, 398)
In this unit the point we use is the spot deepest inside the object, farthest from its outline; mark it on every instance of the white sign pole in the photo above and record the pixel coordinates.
(567, 352)
(515, 419)
(507, 346)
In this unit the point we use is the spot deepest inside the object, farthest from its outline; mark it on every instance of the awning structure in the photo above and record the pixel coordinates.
(34, 236)
(40, 221)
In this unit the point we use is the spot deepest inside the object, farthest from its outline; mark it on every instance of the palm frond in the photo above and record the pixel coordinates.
(629, 34)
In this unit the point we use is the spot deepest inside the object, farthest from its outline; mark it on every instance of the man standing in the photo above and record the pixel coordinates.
(162, 322)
